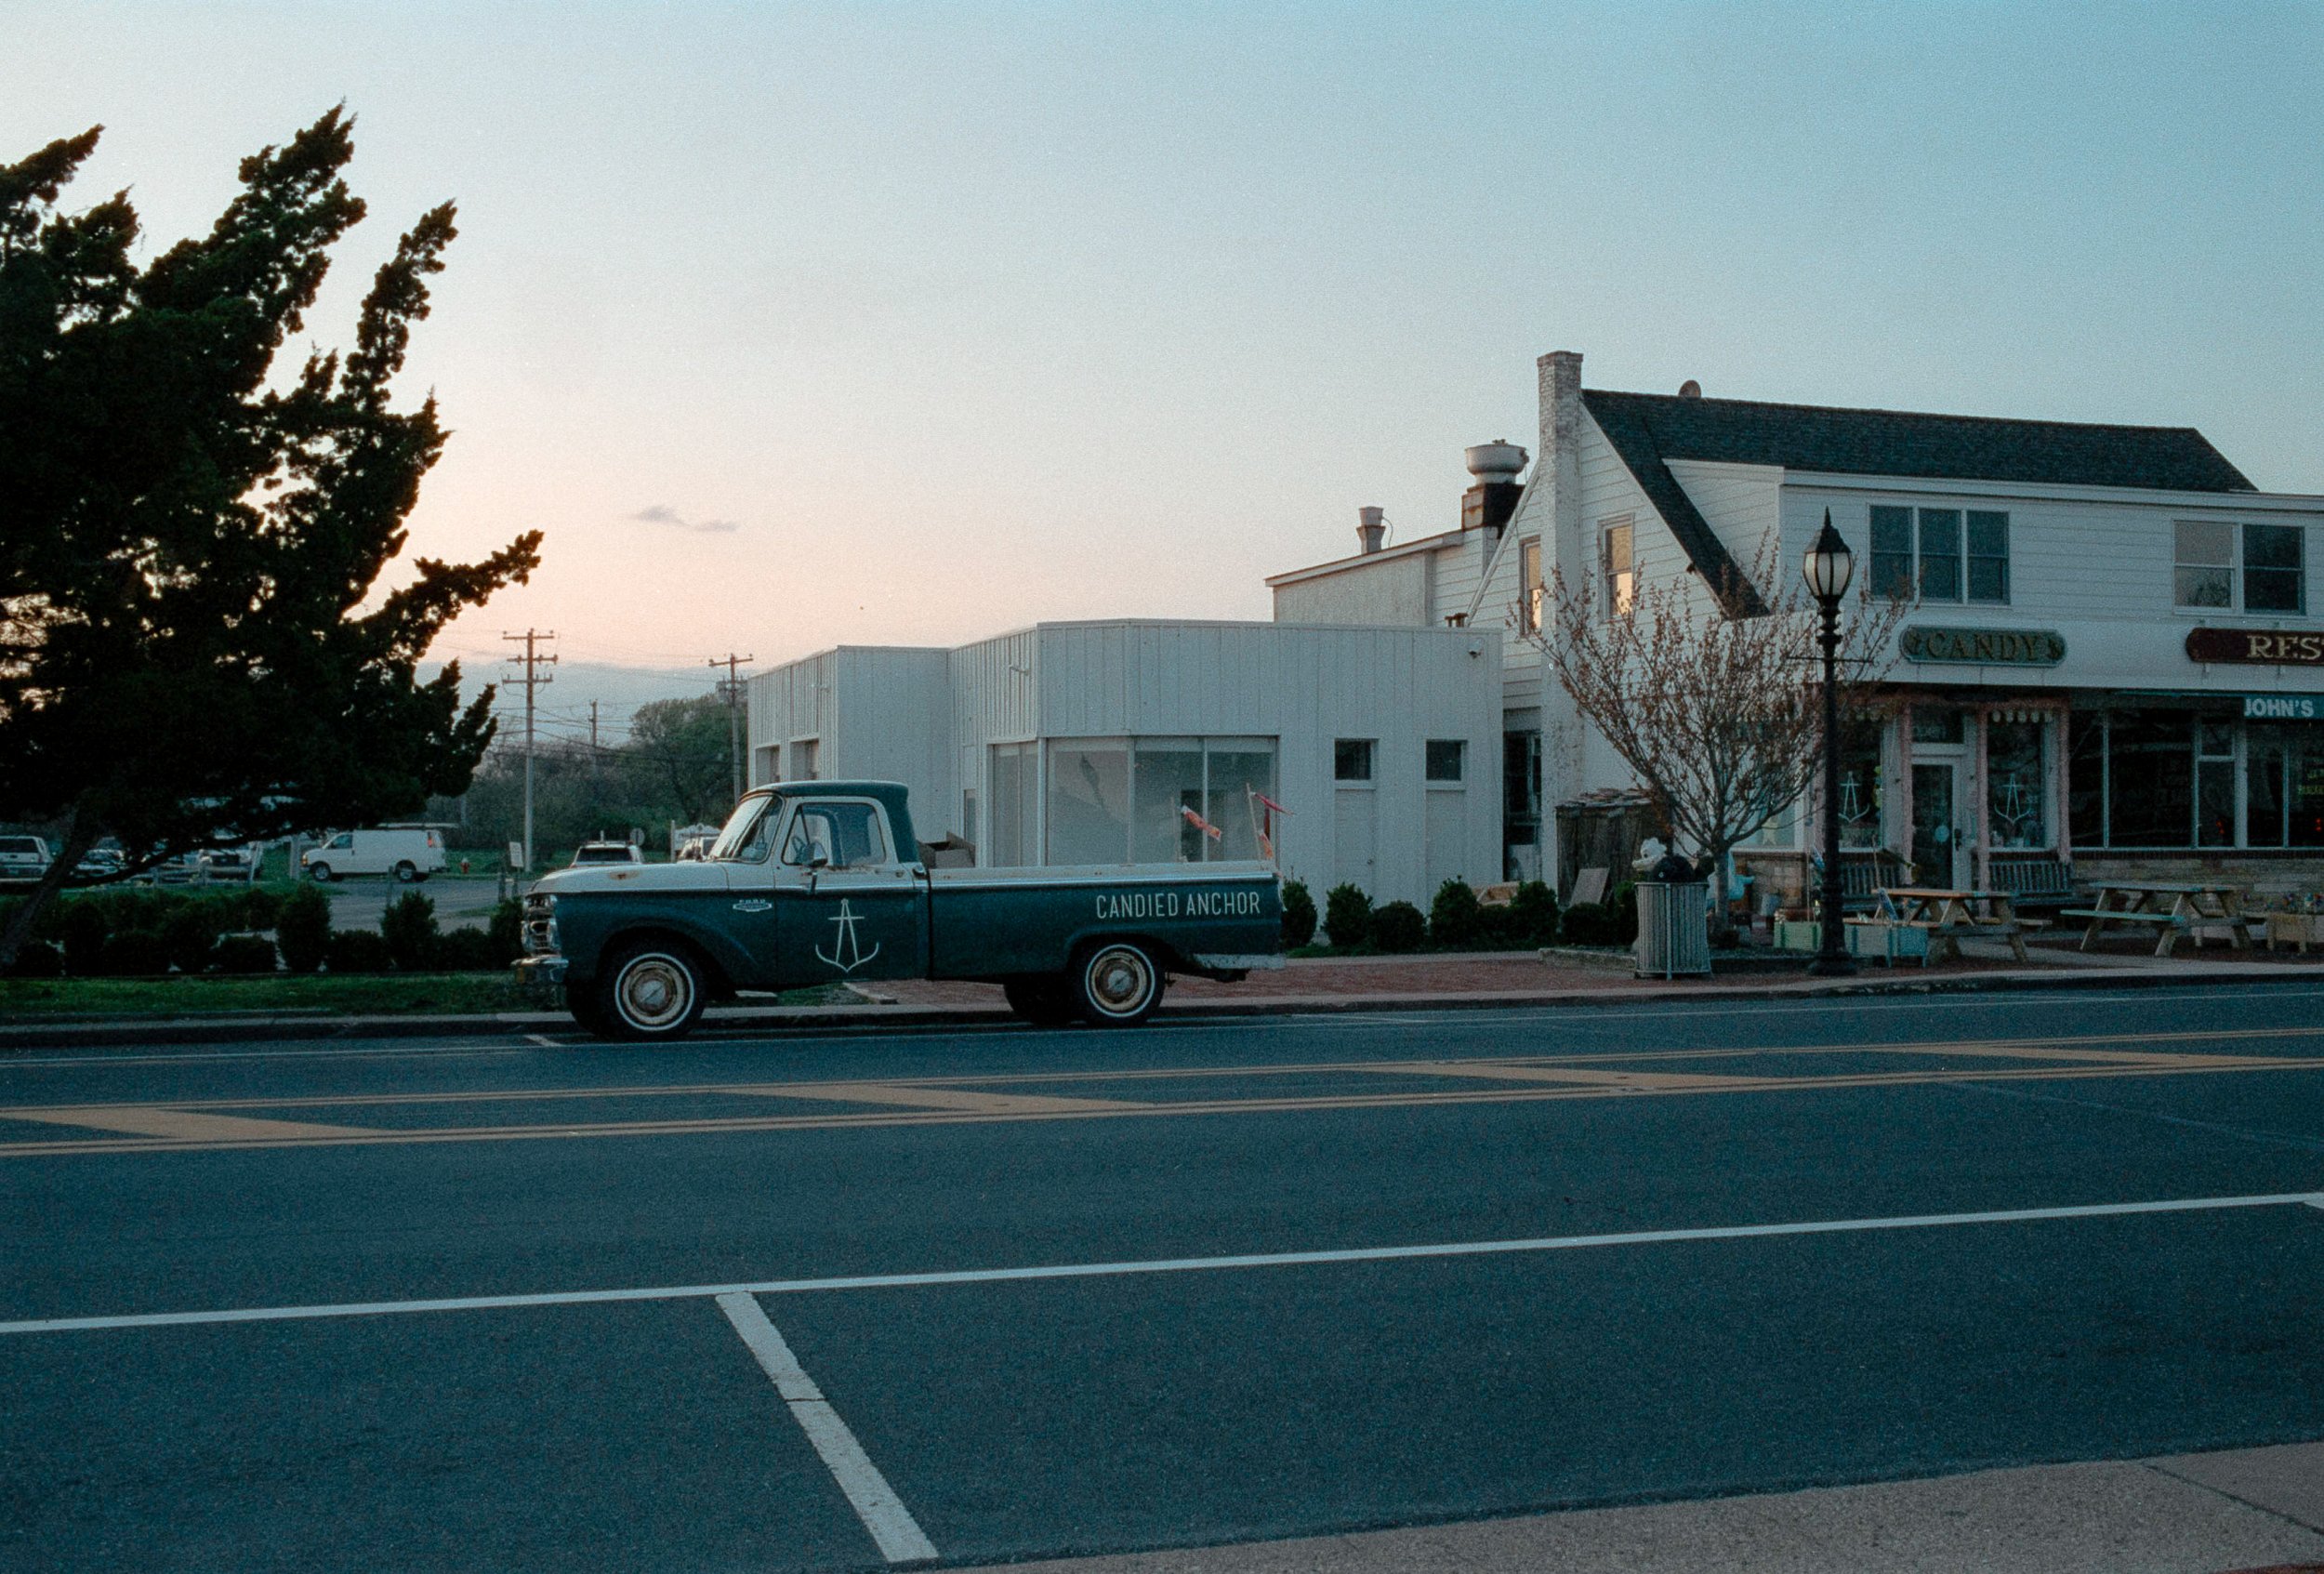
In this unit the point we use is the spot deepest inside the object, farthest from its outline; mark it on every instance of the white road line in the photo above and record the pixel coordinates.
(542, 1040)
(1154, 1265)
(875, 1502)
(14, 1062)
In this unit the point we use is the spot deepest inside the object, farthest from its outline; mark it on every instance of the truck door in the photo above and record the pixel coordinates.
(848, 908)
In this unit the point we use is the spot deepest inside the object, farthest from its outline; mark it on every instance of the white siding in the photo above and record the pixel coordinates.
(1395, 592)
(1743, 504)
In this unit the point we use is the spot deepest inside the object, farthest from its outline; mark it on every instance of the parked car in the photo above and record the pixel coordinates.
(100, 863)
(817, 883)
(23, 857)
(229, 862)
(408, 852)
(605, 852)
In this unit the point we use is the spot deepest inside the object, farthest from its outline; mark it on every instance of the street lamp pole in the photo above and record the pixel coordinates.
(1827, 568)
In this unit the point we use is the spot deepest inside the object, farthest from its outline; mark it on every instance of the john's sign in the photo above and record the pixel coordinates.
(1984, 647)
(2255, 647)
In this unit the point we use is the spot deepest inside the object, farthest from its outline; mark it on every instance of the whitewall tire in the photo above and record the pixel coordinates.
(1117, 983)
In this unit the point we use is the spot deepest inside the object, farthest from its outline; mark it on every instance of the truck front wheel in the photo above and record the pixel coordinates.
(1117, 983)
(651, 991)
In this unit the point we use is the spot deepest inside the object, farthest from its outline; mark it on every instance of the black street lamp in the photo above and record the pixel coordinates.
(1829, 567)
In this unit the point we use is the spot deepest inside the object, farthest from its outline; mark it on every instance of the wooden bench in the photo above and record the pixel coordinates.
(2033, 882)
(1863, 876)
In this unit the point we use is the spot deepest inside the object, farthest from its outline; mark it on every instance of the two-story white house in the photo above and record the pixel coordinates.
(2112, 656)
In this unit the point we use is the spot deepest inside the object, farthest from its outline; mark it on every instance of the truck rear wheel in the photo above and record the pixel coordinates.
(1117, 983)
(652, 991)
(1045, 1001)
(406, 872)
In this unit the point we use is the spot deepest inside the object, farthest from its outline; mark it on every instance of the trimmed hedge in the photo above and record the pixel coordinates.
(1299, 916)
(1347, 917)
(356, 950)
(1455, 920)
(244, 953)
(303, 929)
(1398, 926)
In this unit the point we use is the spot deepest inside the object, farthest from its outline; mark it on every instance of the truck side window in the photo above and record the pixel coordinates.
(845, 836)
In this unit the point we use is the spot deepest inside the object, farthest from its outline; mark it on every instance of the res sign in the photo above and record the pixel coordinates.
(2255, 647)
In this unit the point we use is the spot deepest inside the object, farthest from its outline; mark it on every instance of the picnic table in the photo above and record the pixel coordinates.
(2173, 910)
(1951, 916)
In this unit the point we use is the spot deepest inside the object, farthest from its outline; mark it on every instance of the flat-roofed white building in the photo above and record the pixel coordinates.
(1089, 743)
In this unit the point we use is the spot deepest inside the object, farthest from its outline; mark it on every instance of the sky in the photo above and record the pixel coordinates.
(911, 323)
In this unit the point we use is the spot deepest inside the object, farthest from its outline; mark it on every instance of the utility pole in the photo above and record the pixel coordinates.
(531, 680)
(592, 730)
(731, 689)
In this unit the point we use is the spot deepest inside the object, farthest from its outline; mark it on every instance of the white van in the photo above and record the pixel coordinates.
(408, 852)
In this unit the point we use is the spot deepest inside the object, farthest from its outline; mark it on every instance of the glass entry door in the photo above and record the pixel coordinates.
(1936, 847)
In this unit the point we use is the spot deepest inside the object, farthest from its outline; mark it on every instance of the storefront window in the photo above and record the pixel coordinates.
(2265, 748)
(2150, 778)
(1860, 787)
(1113, 800)
(2017, 789)
(2215, 783)
(1014, 802)
(1936, 723)
(2086, 778)
(1088, 804)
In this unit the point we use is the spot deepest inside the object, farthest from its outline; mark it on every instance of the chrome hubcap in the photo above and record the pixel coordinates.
(1120, 980)
(653, 992)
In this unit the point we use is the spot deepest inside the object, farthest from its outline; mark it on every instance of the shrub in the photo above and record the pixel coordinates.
(243, 953)
(1299, 916)
(356, 950)
(38, 959)
(1347, 917)
(408, 928)
(189, 930)
(254, 906)
(1398, 926)
(506, 928)
(1533, 914)
(469, 950)
(1621, 907)
(133, 953)
(1453, 917)
(303, 929)
(83, 929)
(1585, 923)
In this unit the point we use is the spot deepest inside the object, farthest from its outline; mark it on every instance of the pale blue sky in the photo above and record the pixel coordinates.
(961, 317)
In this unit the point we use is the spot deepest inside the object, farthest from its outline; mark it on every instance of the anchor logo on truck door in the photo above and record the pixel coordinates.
(847, 951)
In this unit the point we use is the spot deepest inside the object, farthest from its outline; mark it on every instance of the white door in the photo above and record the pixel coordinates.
(1354, 836)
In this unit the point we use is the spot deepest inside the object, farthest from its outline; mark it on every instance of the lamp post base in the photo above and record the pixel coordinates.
(1825, 965)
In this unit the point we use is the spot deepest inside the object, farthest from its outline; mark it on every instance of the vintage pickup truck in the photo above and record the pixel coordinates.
(821, 883)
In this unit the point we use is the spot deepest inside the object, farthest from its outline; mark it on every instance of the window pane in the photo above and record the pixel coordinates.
(1989, 556)
(1088, 804)
(2272, 568)
(2204, 541)
(1940, 554)
(1235, 773)
(2271, 546)
(2304, 785)
(1530, 591)
(1936, 723)
(1891, 553)
(2215, 803)
(1447, 760)
(1013, 806)
(1166, 781)
(1860, 788)
(2086, 779)
(2272, 590)
(1618, 568)
(2151, 779)
(2264, 786)
(2202, 587)
(2016, 787)
(1352, 760)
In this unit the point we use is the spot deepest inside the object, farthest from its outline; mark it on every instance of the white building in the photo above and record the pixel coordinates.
(1089, 743)
(2111, 659)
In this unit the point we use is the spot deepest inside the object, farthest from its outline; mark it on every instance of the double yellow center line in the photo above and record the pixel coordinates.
(211, 1125)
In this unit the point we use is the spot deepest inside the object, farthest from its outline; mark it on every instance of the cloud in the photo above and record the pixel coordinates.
(662, 513)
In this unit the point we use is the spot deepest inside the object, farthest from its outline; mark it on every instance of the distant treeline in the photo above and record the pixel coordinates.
(674, 766)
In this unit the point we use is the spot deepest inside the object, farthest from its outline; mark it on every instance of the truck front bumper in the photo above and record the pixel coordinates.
(540, 975)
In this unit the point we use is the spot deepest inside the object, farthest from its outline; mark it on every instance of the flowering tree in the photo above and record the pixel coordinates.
(1714, 700)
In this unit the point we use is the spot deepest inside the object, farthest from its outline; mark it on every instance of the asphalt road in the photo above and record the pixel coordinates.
(646, 1362)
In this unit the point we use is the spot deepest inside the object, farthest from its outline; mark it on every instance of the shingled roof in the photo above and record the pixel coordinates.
(1649, 429)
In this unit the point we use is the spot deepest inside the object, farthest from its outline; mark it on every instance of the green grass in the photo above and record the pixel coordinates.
(318, 993)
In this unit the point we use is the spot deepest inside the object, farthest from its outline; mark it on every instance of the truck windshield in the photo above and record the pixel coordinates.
(745, 837)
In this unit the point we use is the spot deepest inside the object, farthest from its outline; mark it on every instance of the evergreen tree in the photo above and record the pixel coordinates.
(186, 545)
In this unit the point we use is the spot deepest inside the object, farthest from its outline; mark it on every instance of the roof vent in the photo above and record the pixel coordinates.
(1371, 528)
(1690, 389)
(1495, 463)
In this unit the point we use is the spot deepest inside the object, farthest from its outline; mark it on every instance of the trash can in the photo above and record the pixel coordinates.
(1673, 928)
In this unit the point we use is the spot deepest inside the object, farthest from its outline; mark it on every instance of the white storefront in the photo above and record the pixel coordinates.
(1089, 743)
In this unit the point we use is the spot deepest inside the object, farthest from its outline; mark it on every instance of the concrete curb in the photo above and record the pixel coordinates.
(823, 1020)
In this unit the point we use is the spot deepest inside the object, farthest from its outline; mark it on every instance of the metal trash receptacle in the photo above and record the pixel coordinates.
(1673, 929)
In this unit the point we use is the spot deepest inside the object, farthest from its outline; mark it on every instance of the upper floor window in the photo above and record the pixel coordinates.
(1352, 760)
(1529, 587)
(1615, 556)
(2265, 571)
(1940, 554)
(1448, 761)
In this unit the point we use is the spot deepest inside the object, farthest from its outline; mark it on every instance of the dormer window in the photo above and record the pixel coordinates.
(1941, 554)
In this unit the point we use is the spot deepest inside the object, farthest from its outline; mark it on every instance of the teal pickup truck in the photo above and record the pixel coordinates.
(823, 882)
